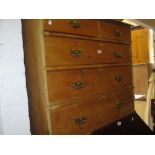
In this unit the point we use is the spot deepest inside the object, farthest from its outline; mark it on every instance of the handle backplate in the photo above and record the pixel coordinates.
(76, 52)
(119, 78)
(120, 105)
(117, 32)
(78, 84)
(80, 120)
(118, 54)
(75, 23)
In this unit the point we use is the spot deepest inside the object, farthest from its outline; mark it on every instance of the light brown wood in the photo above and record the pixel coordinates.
(115, 32)
(61, 51)
(126, 97)
(53, 68)
(93, 80)
(35, 76)
(56, 105)
(63, 120)
(73, 36)
(141, 74)
(113, 91)
(140, 51)
(97, 111)
(87, 27)
(108, 111)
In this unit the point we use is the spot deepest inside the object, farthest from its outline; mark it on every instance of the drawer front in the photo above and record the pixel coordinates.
(98, 111)
(81, 118)
(89, 111)
(64, 120)
(79, 26)
(90, 114)
(124, 103)
(107, 112)
(66, 51)
(115, 106)
(81, 83)
(127, 108)
(116, 32)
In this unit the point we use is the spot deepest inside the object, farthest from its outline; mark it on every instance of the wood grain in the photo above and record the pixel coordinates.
(141, 75)
(51, 73)
(87, 27)
(140, 51)
(35, 75)
(95, 81)
(107, 31)
(54, 68)
(58, 52)
(73, 36)
(98, 111)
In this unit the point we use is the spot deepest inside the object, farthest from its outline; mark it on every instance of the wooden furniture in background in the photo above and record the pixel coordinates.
(140, 60)
(140, 47)
(141, 74)
(78, 74)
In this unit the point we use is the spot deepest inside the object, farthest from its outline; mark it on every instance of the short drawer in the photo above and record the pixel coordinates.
(115, 32)
(115, 105)
(63, 120)
(68, 85)
(62, 51)
(80, 118)
(124, 103)
(127, 108)
(90, 114)
(77, 26)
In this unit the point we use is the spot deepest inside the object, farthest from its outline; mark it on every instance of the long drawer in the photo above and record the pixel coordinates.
(80, 26)
(93, 113)
(115, 32)
(66, 51)
(68, 85)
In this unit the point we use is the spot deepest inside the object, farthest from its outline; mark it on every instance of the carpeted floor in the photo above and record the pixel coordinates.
(129, 125)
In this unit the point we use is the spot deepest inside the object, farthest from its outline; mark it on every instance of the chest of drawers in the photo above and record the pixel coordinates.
(78, 73)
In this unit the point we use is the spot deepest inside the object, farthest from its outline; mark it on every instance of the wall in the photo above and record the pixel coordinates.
(14, 117)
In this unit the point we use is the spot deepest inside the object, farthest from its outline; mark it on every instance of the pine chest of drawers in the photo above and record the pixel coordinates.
(78, 72)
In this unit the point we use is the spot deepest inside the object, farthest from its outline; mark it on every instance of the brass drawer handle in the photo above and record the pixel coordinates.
(117, 32)
(75, 23)
(76, 52)
(80, 120)
(78, 84)
(118, 54)
(120, 105)
(119, 78)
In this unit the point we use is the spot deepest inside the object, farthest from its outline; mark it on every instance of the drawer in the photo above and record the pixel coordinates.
(124, 103)
(101, 110)
(66, 51)
(79, 118)
(63, 120)
(115, 106)
(68, 85)
(88, 115)
(127, 108)
(79, 26)
(115, 32)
